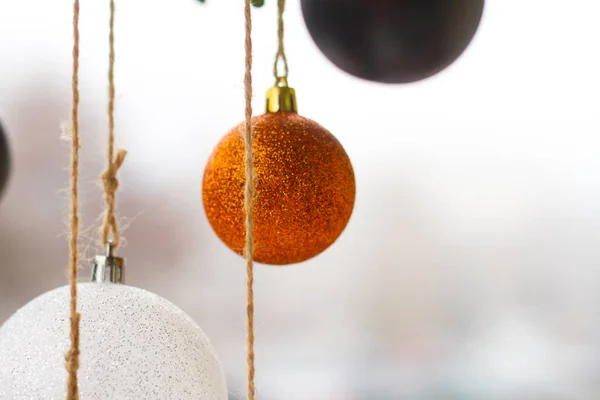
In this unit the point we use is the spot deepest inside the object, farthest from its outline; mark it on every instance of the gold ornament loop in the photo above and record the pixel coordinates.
(281, 81)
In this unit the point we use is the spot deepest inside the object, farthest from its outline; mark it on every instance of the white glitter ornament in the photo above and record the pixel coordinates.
(134, 345)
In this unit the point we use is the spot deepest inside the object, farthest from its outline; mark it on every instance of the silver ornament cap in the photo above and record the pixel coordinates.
(108, 268)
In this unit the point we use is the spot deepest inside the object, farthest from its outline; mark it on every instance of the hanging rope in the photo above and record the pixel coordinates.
(72, 356)
(114, 162)
(248, 203)
(280, 56)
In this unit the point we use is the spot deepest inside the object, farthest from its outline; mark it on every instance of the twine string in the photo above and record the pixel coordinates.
(249, 191)
(280, 55)
(72, 356)
(114, 161)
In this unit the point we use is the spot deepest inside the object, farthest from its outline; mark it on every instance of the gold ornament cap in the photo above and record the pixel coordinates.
(281, 97)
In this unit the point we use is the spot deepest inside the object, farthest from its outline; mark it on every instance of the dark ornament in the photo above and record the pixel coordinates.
(392, 41)
(4, 160)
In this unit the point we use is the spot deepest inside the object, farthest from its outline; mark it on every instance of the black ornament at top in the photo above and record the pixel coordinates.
(4, 160)
(392, 41)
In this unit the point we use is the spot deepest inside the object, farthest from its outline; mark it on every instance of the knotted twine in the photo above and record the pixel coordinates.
(114, 161)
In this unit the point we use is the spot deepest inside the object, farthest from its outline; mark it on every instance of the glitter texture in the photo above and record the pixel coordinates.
(134, 345)
(305, 188)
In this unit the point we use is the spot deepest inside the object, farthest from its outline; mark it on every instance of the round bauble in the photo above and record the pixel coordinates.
(134, 345)
(305, 188)
(4, 160)
(392, 41)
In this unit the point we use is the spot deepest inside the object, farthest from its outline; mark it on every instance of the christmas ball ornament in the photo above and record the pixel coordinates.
(304, 182)
(4, 160)
(392, 41)
(134, 345)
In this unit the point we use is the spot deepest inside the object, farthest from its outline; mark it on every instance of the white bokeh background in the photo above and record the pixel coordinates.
(469, 269)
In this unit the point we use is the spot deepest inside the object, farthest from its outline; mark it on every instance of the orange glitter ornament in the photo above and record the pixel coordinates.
(305, 186)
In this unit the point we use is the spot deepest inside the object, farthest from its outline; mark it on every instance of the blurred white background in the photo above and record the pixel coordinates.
(469, 269)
